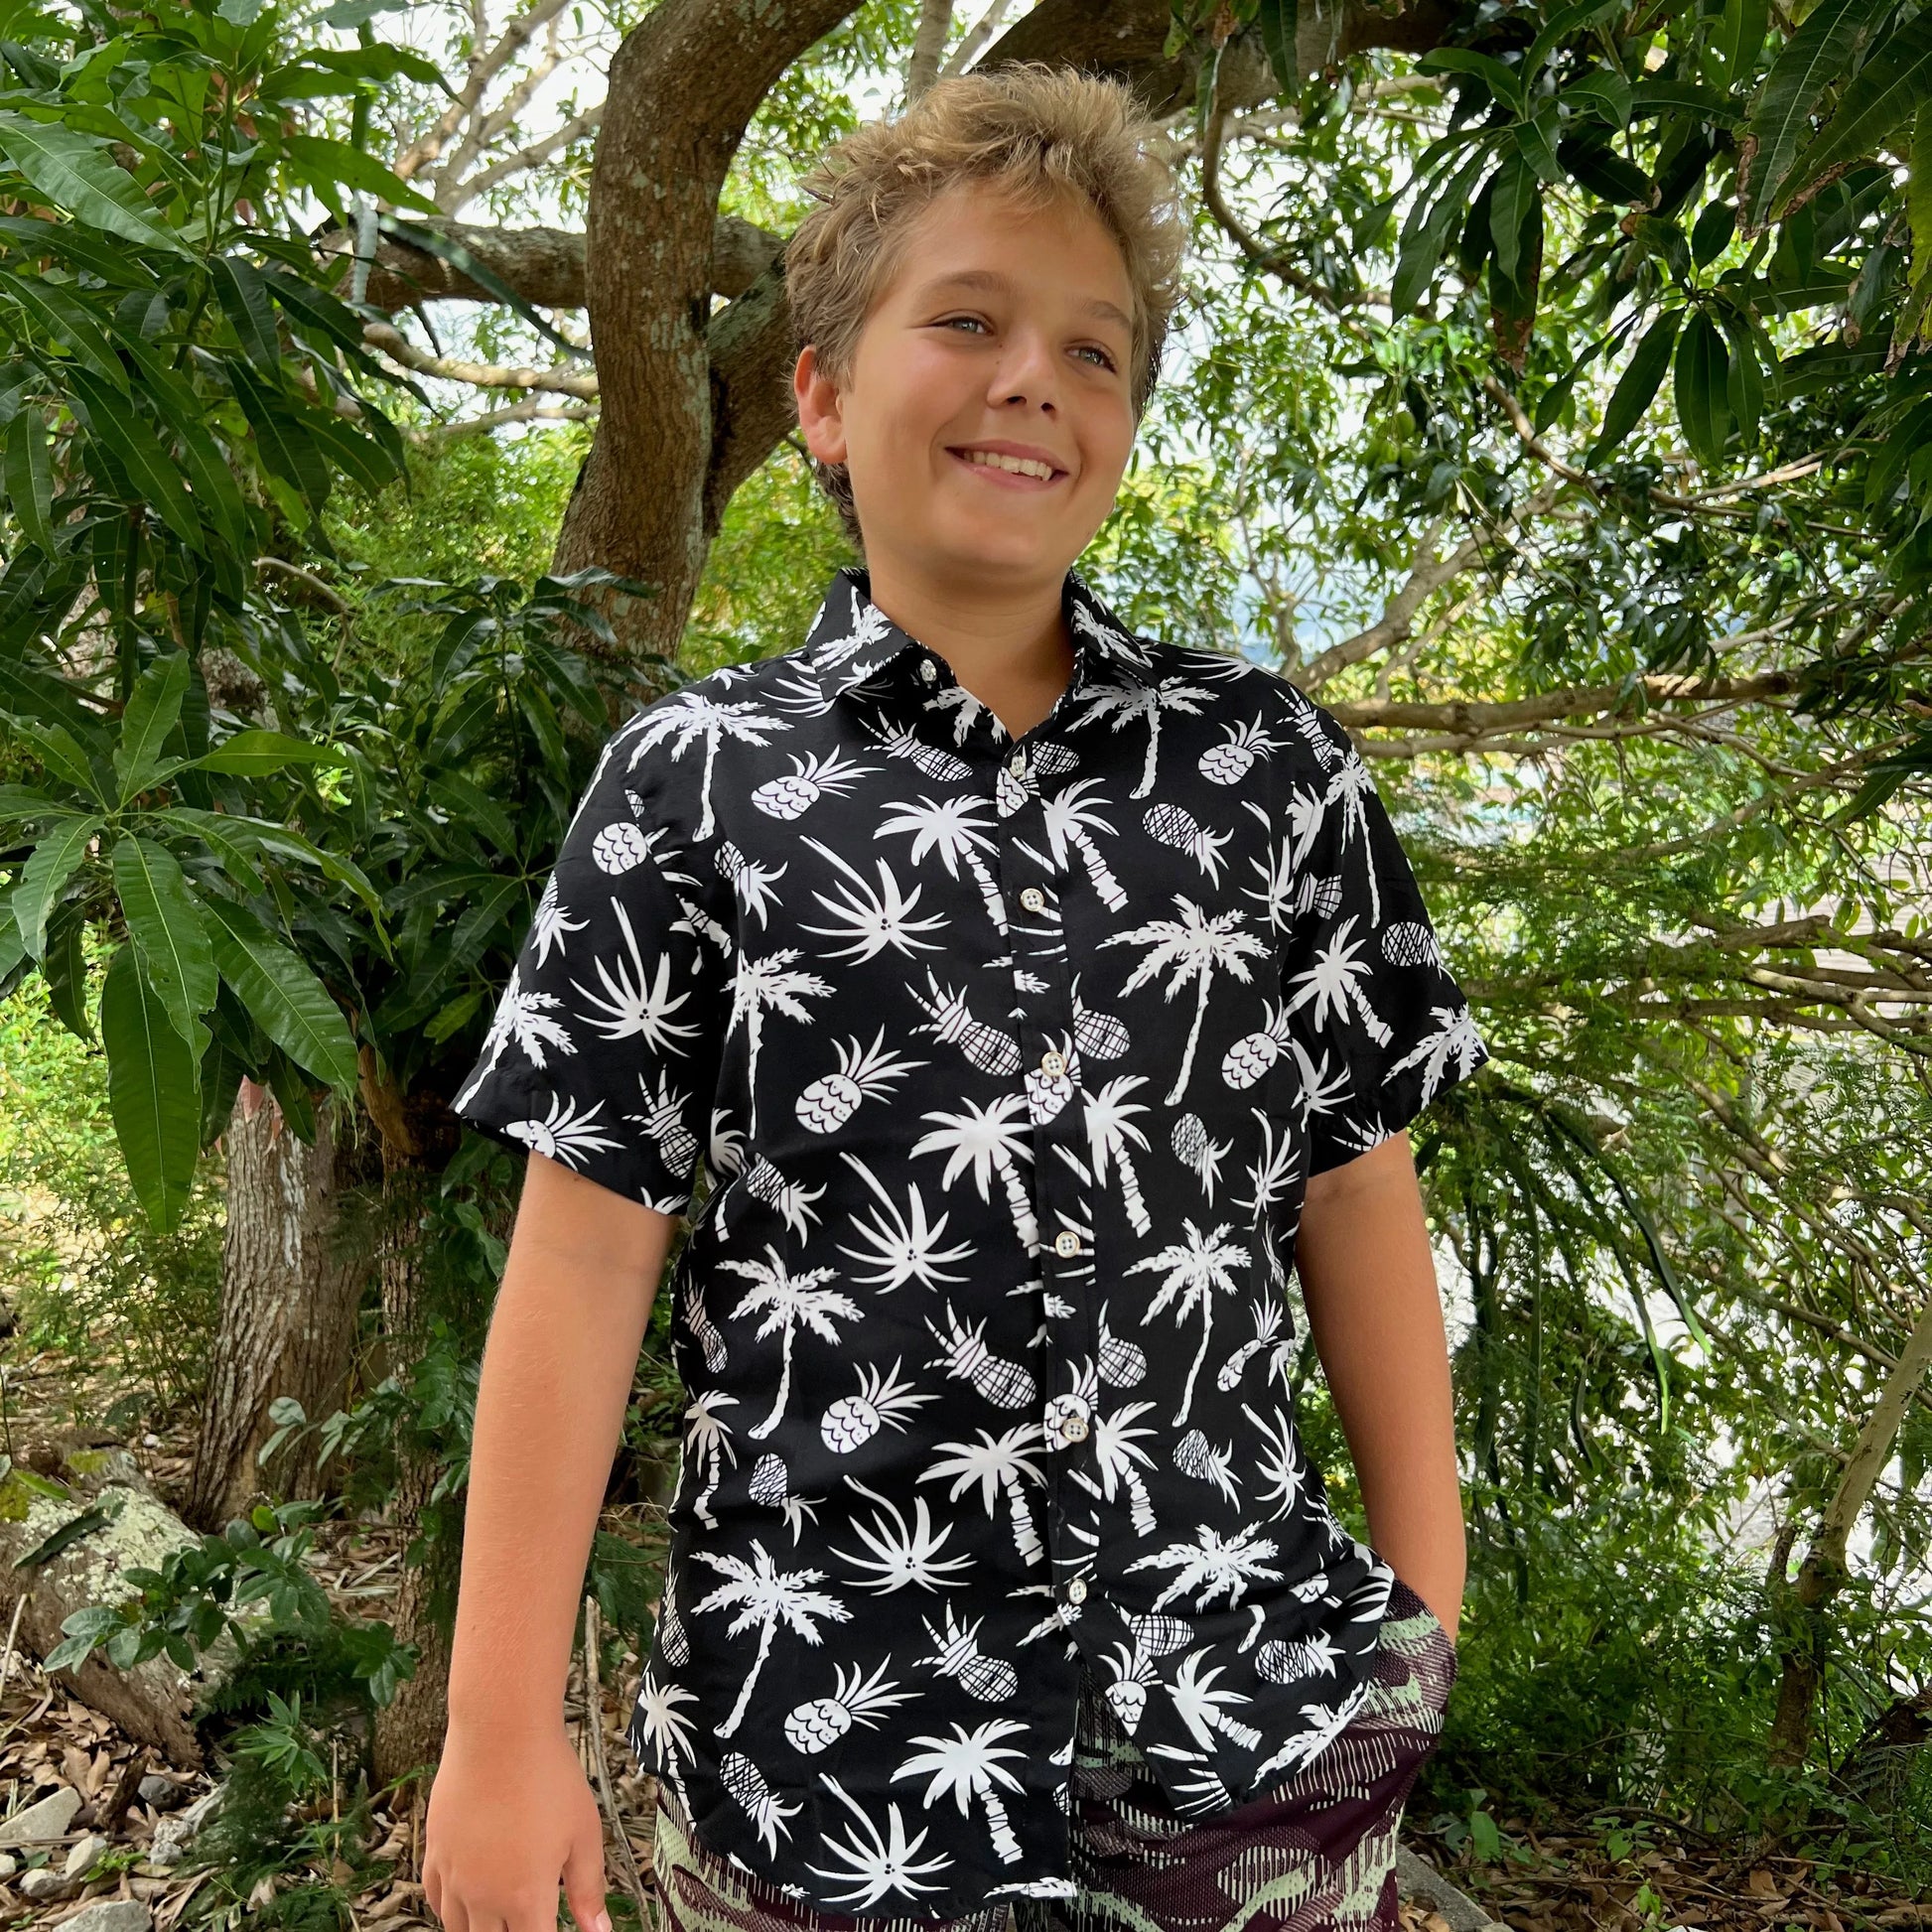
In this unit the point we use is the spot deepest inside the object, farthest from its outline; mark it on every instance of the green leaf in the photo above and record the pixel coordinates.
(153, 709)
(53, 863)
(170, 935)
(1602, 91)
(1605, 173)
(78, 176)
(321, 164)
(1702, 389)
(292, 1007)
(1277, 21)
(1712, 234)
(1918, 191)
(64, 754)
(1509, 205)
(1745, 380)
(1740, 38)
(66, 320)
(1889, 91)
(243, 296)
(1504, 83)
(1643, 375)
(29, 477)
(150, 469)
(1426, 231)
(1818, 56)
(154, 1090)
(257, 753)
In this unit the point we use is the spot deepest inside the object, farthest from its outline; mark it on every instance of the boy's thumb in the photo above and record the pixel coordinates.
(584, 1886)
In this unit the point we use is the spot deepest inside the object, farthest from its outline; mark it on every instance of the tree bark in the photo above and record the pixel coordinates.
(291, 1282)
(1800, 1609)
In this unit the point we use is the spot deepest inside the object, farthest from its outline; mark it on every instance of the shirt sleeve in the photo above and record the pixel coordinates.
(1378, 1024)
(605, 1045)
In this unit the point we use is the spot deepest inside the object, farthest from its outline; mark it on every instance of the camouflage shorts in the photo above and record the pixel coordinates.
(1314, 1855)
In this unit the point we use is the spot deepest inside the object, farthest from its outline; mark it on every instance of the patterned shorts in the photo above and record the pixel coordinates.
(1314, 1855)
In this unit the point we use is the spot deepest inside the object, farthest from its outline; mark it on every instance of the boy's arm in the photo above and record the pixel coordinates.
(1368, 1282)
(511, 1812)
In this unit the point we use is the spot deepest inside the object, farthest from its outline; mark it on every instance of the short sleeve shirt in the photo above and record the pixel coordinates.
(1009, 1060)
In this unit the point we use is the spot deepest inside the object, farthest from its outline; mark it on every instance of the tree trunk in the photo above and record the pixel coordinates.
(291, 1275)
(1799, 1608)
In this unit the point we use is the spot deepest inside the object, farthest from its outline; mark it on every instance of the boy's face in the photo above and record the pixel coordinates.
(1038, 354)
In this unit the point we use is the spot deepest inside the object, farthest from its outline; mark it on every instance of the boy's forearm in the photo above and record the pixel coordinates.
(557, 1375)
(1368, 1281)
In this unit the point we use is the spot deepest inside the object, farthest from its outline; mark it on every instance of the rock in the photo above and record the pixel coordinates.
(162, 1792)
(1416, 1877)
(175, 1834)
(44, 1885)
(49, 1817)
(9, 1864)
(84, 1855)
(110, 1915)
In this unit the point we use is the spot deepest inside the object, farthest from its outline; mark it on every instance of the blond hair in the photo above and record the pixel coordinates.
(1042, 135)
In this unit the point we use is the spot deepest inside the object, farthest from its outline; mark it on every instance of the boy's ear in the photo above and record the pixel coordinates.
(821, 419)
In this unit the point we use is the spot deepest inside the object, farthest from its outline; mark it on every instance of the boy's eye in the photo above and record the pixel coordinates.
(1106, 359)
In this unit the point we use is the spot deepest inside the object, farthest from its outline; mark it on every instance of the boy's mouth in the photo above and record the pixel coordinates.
(1009, 471)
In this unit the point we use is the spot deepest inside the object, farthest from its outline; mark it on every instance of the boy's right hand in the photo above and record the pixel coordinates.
(507, 1818)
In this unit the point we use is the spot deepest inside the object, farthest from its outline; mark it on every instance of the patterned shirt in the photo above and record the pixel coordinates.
(1009, 1060)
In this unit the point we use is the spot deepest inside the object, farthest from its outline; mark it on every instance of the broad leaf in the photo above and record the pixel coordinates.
(154, 1090)
(78, 176)
(152, 711)
(52, 864)
(1640, 383)
(167, 929)
(1889, 89)
(291, 1006)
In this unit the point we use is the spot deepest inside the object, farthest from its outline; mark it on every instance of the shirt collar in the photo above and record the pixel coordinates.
(852, 639)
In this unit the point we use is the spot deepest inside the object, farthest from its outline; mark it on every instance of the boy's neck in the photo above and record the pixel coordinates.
(1009, 647)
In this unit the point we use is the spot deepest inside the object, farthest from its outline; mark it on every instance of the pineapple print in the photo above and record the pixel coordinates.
(1227, 764)
(833, 1098)
(810, 778)
(1005, 1384)
(746, 1782)
(1123, 1363)
(1176, 826)
(934, 759)
(957, 1654)
(618, 847)
(986, 1048)
(663, 1121)
(1197, 1150)
(1254, 1054)
(820, 1723)
(691, 1306)
(1099, 1036)
(854, 1419)
(1195, 1456)
(1048, 1093)
(1408, 942)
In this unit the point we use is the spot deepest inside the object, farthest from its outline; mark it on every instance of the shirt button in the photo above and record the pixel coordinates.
(1074, 1430)
(1033, 899)
(1052, 1064)
(1066, 1242)
(928, 669)
(1076, 1590)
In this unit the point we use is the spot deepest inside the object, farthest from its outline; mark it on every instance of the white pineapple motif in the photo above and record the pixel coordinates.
(820, 1723)
(1195, 1456)
(1254, 1054)
(1123, 1363)
(746, 1782)
(810, 778)
(663, 1121)
(1227, 764)
(618, 847)
(833, 1098)
(934, 759)
(1005, 1384)
(957, 1654)
(1176, 826)
(987, 1048)
(1408, 942)
(1048, 1093)
(854, 1419)
(1194, 1147)
(1099, 1036)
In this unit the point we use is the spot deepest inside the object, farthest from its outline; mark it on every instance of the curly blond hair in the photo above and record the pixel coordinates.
(1043, 135)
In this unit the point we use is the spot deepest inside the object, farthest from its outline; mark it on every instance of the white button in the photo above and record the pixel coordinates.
(1017, 765)
(1066, 1242)
(928, 669)
(1074, 1430)
(1033, 899)
(1052, 1064)
(1076, 1590)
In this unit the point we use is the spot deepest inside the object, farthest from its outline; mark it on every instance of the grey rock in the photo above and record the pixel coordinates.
(47, 1817)
(1417, 1878)
(174, 1836)
(9, 1864)
(111, 1915)
(44, 1885)
(162, 1792)
(83, 1856)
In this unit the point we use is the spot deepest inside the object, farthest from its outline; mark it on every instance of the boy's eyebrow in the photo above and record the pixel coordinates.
(993, 281)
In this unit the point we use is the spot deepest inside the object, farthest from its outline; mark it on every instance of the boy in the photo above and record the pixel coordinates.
(1035, 993)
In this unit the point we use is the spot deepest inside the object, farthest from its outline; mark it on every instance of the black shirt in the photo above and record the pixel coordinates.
(1010, 1060)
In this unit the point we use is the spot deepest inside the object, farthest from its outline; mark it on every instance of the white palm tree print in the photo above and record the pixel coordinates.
(785, 1301)
(764, 1597)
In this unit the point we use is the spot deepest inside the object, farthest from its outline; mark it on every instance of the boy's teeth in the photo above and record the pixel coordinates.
(1020, 465)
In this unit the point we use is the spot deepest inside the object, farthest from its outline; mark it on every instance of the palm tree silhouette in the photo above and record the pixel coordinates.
(956, 832)
(878, 1866)
(872, 917)
(790, 1300)
(1130, 703)
(1193, 947)
(765, 983)
(1195, 1272)
(766, 1596)
(695, 713)
(1115, 1455)
(962, 1767)
(1199, 1704)
(1108, 1132)
(997, 1464)
(707, 1441)
(635, 1008)
(1213, 1563)
(989, 1139)
(1071, 823)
